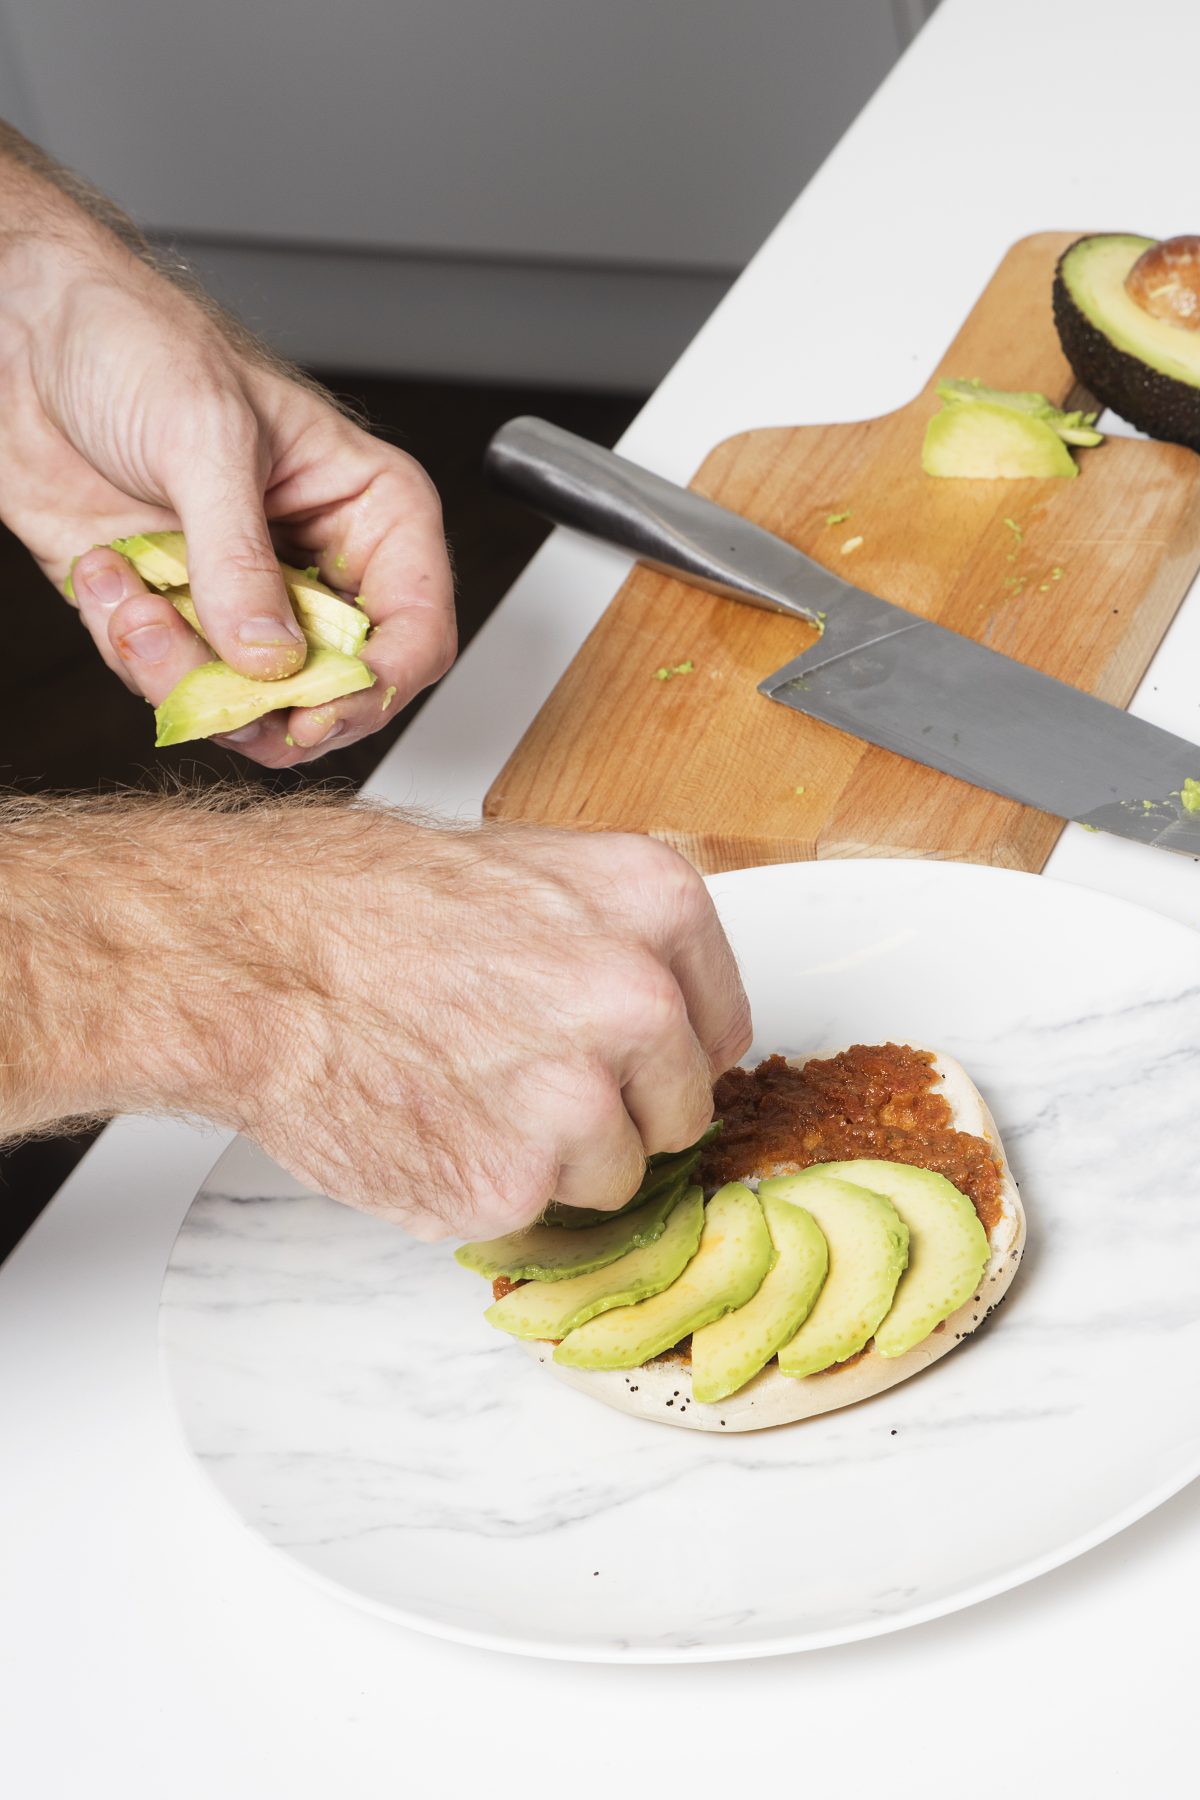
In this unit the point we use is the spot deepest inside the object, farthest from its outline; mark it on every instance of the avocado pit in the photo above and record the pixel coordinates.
(1165, 281)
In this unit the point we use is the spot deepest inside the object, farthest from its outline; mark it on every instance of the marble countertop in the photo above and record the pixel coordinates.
(149, 1646)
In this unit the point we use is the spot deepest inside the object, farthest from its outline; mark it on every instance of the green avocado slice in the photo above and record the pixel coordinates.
(731, 1351)
(323, 615)
(947, 1248)
(546, 1253)
(160, 558)
(215, 698)
(551, 1309)
(1147, 369)
(986, 442)
(327, 622)
(1072, 427)
(868, 1249)
(735, 1253)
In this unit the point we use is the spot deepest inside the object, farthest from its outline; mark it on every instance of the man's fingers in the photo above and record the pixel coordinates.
(100, 581)
(407, 651)
(140, 635)
(665, 901)
(692, 941)
(143, 640)
(152, 645)
(605, 1169)
(234, 576)
(263, 741)
(395, 551)
(669, 1098)
(596, 1145)
(704, 966)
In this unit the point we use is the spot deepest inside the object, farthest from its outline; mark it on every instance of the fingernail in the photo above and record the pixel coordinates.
(108, 585)
(326, 737)
(243, 736)
(269, 631)
(149, 644)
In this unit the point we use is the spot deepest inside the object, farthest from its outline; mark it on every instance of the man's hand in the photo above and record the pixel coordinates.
(128, 405)
(450, 1027)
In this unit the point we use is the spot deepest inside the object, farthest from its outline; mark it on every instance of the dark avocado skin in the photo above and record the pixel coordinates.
(1155, 403)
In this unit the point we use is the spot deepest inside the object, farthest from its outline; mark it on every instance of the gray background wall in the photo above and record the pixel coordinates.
(554, 190)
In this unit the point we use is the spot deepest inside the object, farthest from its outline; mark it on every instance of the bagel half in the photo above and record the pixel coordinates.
(662, 1389)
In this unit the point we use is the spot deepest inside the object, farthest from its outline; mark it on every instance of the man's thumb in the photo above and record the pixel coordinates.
(235, 579)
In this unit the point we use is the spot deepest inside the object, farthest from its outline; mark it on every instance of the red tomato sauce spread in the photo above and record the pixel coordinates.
(876, 1100)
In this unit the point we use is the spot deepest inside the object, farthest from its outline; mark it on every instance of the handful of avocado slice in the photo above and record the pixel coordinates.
(990, 434)
(160, 558)
(215, 698)
(809, 1270)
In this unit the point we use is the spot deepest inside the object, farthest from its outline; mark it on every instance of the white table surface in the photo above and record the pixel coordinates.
(149, 1647)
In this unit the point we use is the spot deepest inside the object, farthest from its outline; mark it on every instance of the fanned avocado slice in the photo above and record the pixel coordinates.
(215, 698)
(546, 1253)
(731, 1351)
(1146, 368)
(868, 1250)
(947, 1248)
(735, 1253)
(551, 1309)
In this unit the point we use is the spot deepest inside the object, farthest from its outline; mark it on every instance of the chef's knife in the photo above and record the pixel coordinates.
(877, 671)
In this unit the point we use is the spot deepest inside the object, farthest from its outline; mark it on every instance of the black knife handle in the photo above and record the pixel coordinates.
(573, 482)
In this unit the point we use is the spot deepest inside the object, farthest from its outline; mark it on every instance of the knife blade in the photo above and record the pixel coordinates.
(877, 671)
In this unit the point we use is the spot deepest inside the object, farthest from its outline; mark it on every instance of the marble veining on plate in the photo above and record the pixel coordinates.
(340, 1387)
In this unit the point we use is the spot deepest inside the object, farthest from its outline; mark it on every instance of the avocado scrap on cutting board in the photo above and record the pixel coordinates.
(989, 434)
(1079, 578)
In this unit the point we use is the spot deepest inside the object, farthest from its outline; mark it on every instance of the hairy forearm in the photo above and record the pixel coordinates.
(155, 954)
(41, 198)
(94, 953)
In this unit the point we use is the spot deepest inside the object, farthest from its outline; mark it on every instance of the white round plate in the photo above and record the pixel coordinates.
(341, 1389)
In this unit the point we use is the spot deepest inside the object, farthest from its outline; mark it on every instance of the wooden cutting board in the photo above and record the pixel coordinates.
(1078, 578)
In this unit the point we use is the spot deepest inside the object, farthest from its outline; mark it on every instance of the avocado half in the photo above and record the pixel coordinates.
(1144, 368)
